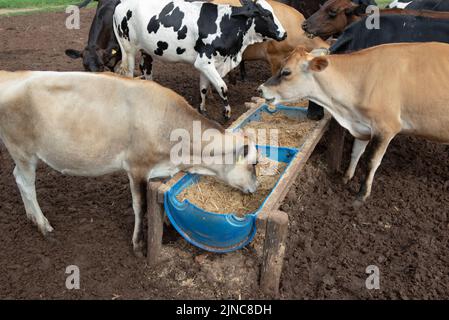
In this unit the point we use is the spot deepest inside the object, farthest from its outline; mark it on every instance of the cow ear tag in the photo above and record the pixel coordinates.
(114, 52)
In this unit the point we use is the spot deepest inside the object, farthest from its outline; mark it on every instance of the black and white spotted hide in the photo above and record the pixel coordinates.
(211, 37)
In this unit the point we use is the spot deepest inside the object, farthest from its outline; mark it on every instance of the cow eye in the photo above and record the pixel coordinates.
(286, 73)
(332, 13)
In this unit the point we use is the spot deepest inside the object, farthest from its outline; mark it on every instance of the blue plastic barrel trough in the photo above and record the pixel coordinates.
(224, 232)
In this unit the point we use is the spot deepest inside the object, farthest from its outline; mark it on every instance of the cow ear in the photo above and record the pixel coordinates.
(74, 54)
(318, 64)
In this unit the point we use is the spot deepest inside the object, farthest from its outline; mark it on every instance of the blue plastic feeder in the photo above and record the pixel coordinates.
(224, 232)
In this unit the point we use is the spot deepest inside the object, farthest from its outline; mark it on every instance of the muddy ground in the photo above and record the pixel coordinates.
(404, 228)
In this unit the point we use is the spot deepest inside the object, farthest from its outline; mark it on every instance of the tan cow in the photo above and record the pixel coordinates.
(371, 97)
(94, 124)
(275, 52)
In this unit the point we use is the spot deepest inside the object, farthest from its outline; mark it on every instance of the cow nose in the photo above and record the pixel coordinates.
(260, 91)
(284, 36)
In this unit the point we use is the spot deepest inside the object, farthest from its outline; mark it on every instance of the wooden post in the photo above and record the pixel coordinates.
(155, 216)
(273, 252)
(335, 146)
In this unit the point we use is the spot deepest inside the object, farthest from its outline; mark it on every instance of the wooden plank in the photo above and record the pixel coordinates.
(155, 217)
(290, 175)
(273, 252)
(166, 186)
(335, 146)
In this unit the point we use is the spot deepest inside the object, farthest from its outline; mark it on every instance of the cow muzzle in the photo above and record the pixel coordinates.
(305, 27)
(266, 95)
(282, 37)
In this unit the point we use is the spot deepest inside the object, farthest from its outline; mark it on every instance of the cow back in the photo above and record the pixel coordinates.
(395, 28)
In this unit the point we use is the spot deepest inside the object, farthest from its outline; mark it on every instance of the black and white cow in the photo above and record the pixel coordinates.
(211, 37)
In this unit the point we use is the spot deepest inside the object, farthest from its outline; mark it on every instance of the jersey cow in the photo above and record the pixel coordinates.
(395, 28)
(372, 100)
(211, 37)
(89, 124)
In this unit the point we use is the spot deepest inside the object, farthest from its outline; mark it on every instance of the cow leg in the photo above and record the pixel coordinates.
(25, 174)
(146, 66)
(358, 148)
(376, 151)
(138, 184)
(127, 64)
(214, 77)
(204, 87)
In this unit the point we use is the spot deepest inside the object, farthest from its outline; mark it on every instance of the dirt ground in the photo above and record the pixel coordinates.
(404, 228)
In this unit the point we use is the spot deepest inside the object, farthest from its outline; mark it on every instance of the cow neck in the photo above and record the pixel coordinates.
(332, 90)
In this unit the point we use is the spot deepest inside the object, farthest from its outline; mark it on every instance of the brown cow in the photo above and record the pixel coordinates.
(335, 15)
(370, 98)
(93, 124)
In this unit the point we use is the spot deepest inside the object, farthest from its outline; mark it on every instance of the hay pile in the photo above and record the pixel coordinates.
(290, 131)
(300, 103)
(213, 195)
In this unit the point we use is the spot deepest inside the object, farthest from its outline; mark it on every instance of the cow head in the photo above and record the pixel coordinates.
(266, 23)
(295, 80)
(94, 59)
(233, 163)
(332, 18)
(242, 174)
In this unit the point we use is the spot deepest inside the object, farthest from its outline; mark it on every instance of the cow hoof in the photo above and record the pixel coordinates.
(46, 229)
(359, 201)
(139, 253)
(357, 204)
(204, 113)
(138, 250)
(32, 218)
(227, 115)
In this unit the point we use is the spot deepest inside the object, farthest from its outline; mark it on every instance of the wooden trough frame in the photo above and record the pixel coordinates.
(270, 219)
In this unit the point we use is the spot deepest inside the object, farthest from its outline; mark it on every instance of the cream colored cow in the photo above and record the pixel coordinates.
(94, 124)
(372, 97)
